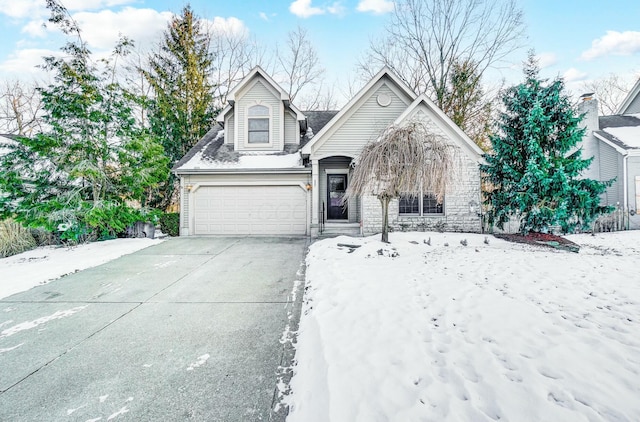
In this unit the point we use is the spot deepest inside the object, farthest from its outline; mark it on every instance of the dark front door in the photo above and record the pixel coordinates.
(336, 187)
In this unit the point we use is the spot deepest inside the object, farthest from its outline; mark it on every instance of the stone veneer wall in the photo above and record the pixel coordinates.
(457, 215)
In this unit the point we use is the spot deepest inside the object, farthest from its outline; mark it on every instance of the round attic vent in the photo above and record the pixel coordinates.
(384, 99)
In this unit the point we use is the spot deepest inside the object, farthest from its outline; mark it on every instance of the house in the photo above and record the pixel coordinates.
(268, 168)
(614, 142)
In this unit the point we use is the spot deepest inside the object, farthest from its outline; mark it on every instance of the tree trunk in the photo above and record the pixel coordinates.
(384, 201)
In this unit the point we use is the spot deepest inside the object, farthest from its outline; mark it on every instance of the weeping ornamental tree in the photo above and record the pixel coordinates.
(534, 170)
(405, 160)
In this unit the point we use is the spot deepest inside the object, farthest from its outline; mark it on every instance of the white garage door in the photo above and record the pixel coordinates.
(274, 210)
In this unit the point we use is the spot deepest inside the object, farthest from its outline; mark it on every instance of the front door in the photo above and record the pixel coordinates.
(336, 188)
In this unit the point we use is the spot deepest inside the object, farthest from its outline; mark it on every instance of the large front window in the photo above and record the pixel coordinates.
(420, 205)
(258, 124)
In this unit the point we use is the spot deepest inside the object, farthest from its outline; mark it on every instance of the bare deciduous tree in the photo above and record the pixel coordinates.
(20, 108)
(610, 90)
(405, 160)
(234, 54)
(425, 39)
(299, 63)
(323, 98)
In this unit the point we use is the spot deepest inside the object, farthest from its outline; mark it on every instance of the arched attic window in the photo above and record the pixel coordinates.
(258, 124)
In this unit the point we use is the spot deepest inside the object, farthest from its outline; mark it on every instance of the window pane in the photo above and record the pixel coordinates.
(258, 110)
(430, 205)
(259, 124)
(258, 137)
(409, 205)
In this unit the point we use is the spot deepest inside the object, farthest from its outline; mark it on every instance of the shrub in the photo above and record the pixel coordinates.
(43, 237)
(170, 223)
(14, 238)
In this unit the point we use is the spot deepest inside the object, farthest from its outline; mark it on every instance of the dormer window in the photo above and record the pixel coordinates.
(258, 124)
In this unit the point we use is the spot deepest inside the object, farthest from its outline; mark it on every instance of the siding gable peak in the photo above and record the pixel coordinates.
(424, 108)
(384, 76)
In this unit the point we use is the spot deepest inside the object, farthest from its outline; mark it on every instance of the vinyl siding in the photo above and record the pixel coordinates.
(633, 192)
(610, 168)
(290, 132)
(634, 107)
(229, 129)
(259, 93)
(363, 125)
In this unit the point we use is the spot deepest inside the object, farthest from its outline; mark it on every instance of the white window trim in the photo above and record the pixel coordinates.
(421, 208)
(258, 145)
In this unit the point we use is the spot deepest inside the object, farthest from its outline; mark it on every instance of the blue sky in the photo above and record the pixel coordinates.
(577, 39)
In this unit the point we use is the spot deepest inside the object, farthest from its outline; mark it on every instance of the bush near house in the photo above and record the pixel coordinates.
(170, 223)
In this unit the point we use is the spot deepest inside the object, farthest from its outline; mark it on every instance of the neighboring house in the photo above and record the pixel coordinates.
(267, 168)
(614, 142)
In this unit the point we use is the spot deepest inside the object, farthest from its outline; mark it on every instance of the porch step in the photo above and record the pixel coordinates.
(340, 229)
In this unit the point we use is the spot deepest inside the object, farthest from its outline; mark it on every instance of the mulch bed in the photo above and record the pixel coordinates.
(541, 239)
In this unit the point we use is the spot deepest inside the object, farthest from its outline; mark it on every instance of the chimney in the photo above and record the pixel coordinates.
(588, 107)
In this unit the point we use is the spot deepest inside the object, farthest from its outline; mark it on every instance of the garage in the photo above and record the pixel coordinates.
(250, 210)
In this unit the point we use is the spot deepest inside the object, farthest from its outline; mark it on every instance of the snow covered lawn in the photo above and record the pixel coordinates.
(42, 265)
(447, 332)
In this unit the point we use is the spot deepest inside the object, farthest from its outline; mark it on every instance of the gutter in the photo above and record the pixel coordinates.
(303, 170)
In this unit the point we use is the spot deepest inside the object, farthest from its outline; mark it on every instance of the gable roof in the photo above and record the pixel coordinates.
(621, 132)
(465, 142)
(384, 72)
(316, 120)
(631, 96)
(258, 71)
(208, 145)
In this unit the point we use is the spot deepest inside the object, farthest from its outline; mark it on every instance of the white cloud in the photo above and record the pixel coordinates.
(574, 75)
(101, 30)
(78, 5)
(25, 62)
(336, 9)
(614, 43)
(376, 6)
(35, 28)
(36, 8)
(546, 59)
(264, 16)
(229, 26)
(303, 9)
(22, 8)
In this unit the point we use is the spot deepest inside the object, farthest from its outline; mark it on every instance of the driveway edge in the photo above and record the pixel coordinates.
(279, 409)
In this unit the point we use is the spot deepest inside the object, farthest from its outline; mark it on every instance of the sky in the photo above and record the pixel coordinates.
(579, 40)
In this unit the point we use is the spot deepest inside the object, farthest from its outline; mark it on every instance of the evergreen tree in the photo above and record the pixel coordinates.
(180, 74)
(91, 159)
(534, 170)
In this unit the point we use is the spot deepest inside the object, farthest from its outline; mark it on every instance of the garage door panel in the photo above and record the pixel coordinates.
(278, 210)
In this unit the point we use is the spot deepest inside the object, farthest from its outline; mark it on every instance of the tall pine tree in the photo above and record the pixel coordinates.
(534, 170)
(180, 74)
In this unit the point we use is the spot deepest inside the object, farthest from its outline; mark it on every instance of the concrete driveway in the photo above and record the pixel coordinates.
(188, 329)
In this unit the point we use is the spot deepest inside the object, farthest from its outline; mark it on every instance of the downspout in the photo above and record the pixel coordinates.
(625, 187)
(624, 181)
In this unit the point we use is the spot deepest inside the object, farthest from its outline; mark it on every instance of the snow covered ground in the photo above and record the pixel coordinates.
(446, 332)
(42, 265)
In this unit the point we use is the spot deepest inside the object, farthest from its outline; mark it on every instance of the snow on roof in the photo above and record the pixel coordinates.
(254, 160)
(629, 135)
